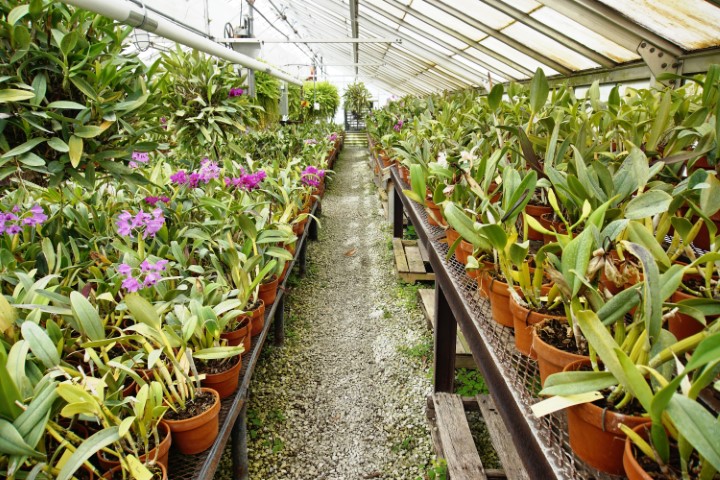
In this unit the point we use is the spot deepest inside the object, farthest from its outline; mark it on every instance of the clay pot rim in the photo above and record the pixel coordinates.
(193, 422)
(273, 279)
(165, 440)
(236, 366)
(244, 320)
(550, 349)
(531, 317)
(629, 459)
(158, 464)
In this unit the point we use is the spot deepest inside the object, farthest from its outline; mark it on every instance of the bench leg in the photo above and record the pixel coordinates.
(313, 233)
(303, 259)
(239, 445)
(279, 337)
(397, 208)
(445, 341)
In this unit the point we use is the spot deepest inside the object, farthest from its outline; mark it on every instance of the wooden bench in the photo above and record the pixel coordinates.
(454, 442)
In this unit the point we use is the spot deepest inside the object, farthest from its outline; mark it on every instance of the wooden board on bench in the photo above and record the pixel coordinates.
(501, 440)
(409, 262)
(458, 446)
(463, 357)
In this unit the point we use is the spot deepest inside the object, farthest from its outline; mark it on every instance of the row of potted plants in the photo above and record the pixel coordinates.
(145, 225)
(588, 224)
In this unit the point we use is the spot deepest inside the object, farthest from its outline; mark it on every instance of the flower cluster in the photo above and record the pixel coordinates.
(142, 223)
(311, 141)
(398, 126)
(150, 274)
(333, 136)
(246, 181)
(312, 175)
(152, 201)
(208, 171)
(236, 92)
(12, 223)
(141, 157)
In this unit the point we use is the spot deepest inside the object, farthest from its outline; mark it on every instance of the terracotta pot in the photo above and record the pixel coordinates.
(552, 225)
(632, 467)
(702, 240)
(290, 247)
(298, 228)
(240, 334)
(550, 359)
(258, 319)
(681, 325)
(225, 383)
(595, 434)
(452, 236)
(162, 451)
(500, 302)
(284, 273)
(536, 211)
(268, 290)
(435, 218)
(197, 434)
(523, 322)
(116, 469)
(463, 251)
(404, 174)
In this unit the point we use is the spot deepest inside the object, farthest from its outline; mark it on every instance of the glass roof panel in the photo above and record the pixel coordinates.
(526, 6)
(484, 71)
(549, 47)
(475, 8)
(444, 72)
(425, 41)
(390, 9)
(495, 63)
(584, 35)
(519, 57)
(692, 24)
(440, 35)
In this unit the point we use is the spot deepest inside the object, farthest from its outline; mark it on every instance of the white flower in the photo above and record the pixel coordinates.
(467, 156)
(442, 159)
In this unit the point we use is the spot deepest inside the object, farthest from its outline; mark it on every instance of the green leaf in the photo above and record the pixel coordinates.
(87, 449)
(641, 235)
(661, 122)
(12, 443)
(58, 144)
(215, 353)
(496, 235)
(697, 426)
(571, 383)
(89, 131)
(76, 150)
(495, 96)
(648, 204)
(14, 95)
(25, 147)
(710, 196)
(143, 311)
(652, 302)
(539, 90)
(636, 383)
(88, 319)
(17, 13)
(40, 344)
(417, 181)
(67, 105)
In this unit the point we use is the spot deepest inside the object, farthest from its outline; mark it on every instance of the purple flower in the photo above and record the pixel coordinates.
(236, 92)
(311, 141)
(124, 269)
(179, 178)
(246, 181)
(131, 284)
(133, 164)
(208, 170)
(152, 200)
(37, 217)
(141, 157)
(142, 223)
(165, 199)
(333, 136)
(311, 176)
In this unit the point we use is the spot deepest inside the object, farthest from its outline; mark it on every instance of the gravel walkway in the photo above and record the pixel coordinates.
(344, 399)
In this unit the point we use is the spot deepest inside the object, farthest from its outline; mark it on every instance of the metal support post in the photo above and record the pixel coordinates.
(302, 259)
(279, 338)
(445, 339)
(397, 215)
(313, 233)
(239, 445)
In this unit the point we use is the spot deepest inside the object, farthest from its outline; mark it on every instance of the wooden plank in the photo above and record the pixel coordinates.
(462, 457)
(501, 440)
(414, 260)
(427, 303)
(400, 259)
(423, 253)
(463, 357)
(417, 277)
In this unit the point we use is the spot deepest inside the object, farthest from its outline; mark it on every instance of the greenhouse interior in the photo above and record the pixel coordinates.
(360, 239)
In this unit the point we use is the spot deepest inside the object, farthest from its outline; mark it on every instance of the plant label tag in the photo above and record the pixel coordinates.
(557, 403)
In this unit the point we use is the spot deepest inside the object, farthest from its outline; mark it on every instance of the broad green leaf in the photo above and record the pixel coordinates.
(58, 144)
(67, 105)
(647, 204)
(87, 317)
(143, 311)
(495, 96)
(25, 147)
(637, 384)
(641, 235)
(214, 353)
(40, 344)
(465, 226)
(17, 13)
(571, 383)
(496, 235)
(12, 443)
(417, 181)
(15, 95)
(652, 303)
(697, 426)
(710, 196)
(76, 150)
(89, 131)
(707, 351)
(661, 121)
(539, 90)
(8, 314)
(87, 449)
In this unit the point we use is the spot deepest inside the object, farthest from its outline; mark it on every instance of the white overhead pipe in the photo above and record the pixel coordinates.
(139, 17)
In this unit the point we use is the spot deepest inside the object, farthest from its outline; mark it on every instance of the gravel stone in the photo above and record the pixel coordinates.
(340, 401)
